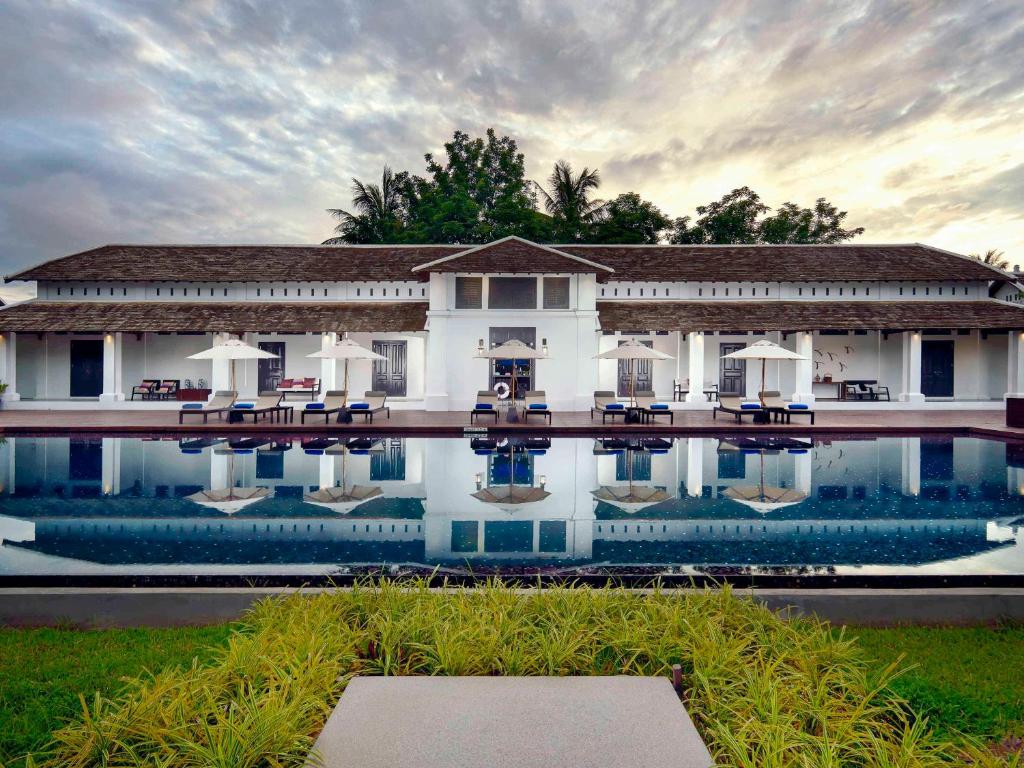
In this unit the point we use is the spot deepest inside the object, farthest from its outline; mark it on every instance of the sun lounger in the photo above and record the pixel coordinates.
(535, 403)
(652, 408)
(606, 404)
(374, 401)
(268, 404)
(783, 411)
(220, 403)
(737, 407)
(333, 402)
(486, 405)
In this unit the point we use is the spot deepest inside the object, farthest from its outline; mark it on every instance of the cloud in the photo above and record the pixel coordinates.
(242, 120)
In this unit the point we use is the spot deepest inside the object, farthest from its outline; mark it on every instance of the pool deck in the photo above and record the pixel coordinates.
(981, 423)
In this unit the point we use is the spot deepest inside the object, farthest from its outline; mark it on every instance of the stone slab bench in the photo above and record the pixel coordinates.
(513, 722)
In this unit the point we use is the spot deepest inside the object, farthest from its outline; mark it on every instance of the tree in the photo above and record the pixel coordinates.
(739, 217)
(477, 194)
(993, 258)
(628, 219)
(733, 219)
(793, 224)
(378, 212)
(569, 202)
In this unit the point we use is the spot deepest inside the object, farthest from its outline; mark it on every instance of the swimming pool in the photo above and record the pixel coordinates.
(87, 509)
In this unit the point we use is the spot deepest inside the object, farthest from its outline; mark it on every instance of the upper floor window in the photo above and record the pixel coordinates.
(469, 292)
(556, 293)
(512, 293)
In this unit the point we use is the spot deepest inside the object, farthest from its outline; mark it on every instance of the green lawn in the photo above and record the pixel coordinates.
(42, 671)
(761, 690)
(969, 680)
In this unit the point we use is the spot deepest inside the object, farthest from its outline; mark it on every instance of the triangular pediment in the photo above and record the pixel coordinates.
(513, 255)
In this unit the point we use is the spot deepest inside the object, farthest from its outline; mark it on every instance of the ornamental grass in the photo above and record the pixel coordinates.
(763, 691)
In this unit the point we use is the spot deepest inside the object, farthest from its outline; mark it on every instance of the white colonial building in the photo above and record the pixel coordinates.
(924, 323)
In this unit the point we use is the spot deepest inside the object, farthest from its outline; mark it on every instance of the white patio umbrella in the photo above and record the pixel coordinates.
(513, 350)
(230, 500)
(343, 500)
(346, 350)
(633, 350)
(764, 350)
(630, 498)
(232, 350)
(764, 498)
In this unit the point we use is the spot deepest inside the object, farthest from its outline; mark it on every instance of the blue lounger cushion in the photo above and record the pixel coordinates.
(483, 407)
(315, 406)
(483, 452)
(359, 406)
(315, 451)
(798, 407)
(659, 406)
(797, 450)
(657, 450)
(192, 450)
(615, 407)
(358, 452)
(192, 406)
(242, 451)
(244, 406)
(750, 406)
(536, 451)
(538, 406)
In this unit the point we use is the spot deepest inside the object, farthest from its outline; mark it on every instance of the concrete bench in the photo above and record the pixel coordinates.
(518, 722)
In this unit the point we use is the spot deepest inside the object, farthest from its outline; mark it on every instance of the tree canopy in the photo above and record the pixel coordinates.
(478, 192)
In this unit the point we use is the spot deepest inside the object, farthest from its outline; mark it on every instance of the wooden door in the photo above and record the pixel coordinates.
(86, 367)
(732, 374)
(643, 368)
(270, 370)
(389, 374)
(937, 368)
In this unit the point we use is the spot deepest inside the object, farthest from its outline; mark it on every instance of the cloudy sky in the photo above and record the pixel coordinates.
(238, 122)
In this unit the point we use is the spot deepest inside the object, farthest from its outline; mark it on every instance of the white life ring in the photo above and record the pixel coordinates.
(502, 390)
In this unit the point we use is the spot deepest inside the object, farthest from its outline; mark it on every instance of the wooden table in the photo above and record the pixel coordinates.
(194, 395)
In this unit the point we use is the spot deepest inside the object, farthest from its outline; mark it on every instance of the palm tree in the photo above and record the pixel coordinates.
(377, 214)
(569, 201)
(993, 258)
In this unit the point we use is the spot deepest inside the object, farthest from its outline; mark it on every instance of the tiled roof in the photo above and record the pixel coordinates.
(783, 263)
(137, 316)
(513, 255)
(233, 263)
(805, 315)
(735, 263)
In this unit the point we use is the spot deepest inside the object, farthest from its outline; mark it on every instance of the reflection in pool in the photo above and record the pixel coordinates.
(320, 506)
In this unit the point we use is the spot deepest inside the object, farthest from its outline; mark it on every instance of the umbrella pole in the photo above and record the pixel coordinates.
(344, 399)
(761, 393)
(512, 416)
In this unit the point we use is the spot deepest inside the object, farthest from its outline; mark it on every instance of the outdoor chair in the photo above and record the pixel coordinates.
(877, 390)
(783, 411)
(374, 401)
(333, 402)
(165, 389)
(535, 403)
(607, 405)
(486, 405)
(220, 403)
(652, 408)
(144, 389)
(267, 405)
(737, 407)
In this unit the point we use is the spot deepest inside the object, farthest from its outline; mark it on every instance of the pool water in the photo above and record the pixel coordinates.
(78, 508)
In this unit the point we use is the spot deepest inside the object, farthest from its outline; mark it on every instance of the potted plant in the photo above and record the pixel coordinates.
(3, 389)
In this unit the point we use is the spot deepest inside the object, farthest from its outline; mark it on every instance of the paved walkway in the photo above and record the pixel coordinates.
(510, 722)
(981, 422)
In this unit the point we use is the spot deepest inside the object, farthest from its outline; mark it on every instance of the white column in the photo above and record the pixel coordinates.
(6, 467)
(9, 365)
(910, 465)
(113, 389)
(802, 467)
(695, 343)
(327, 471)
(111, 469)
(437, 363)
(694, 466)
(802, 389)
(1015, 364)
(588, 339)
(328, 365)
(220, 465)
(911, 384)
(220, 375)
